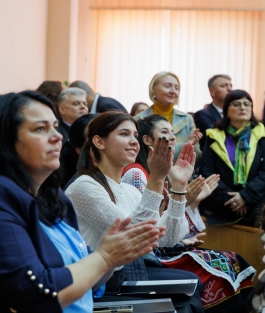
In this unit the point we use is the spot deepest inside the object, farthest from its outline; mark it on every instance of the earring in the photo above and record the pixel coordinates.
(154, 96)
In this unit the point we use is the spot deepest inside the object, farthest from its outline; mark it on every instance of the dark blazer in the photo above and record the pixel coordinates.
(205, 119)
(31, 268)
(105, 104)
(63, 129)
(253, 193)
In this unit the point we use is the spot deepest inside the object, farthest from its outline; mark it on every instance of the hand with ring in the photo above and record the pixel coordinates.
(236, 202)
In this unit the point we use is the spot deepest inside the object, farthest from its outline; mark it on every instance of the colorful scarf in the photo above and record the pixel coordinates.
(242, 148)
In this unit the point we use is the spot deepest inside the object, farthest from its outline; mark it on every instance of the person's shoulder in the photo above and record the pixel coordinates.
(7, 185)
(259, 131)
(181, 113)
(15, 200)
(81, 181)
(144, 113)
(106, 103)
(205, 111)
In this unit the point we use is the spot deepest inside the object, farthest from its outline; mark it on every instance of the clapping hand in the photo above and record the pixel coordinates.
(195, 137)
(193, 189)
(181, 172)
(122, 243)
(160, 158)
(210, 185)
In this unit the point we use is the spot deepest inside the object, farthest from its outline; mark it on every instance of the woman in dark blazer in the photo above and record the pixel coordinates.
(45, 265)
(235, 149)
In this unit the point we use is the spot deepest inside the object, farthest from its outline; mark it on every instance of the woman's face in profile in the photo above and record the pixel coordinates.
(38, 141)
(167, 90)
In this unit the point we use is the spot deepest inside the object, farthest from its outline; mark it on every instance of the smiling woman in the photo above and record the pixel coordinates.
(164, 90)
(99, 196)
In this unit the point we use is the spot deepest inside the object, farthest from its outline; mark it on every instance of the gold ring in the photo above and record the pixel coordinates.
(234, 204)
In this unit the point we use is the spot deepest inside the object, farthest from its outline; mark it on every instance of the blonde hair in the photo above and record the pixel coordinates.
(156, 79)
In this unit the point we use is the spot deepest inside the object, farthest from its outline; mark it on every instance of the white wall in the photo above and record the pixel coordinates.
(23, 29)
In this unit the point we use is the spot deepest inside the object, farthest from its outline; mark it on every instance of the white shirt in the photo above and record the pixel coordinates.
(96, 212)
(95, 104)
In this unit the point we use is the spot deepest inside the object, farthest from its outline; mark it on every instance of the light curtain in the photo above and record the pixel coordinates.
(128, 47)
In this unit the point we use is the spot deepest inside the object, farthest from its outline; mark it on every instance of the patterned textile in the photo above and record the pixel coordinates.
(192, 228)
(223, 274)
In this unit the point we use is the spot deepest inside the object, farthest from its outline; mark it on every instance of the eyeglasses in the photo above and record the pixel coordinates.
(239, 104)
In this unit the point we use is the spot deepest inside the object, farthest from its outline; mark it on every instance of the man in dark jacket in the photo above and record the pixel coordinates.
(97, 103)
(219, 86)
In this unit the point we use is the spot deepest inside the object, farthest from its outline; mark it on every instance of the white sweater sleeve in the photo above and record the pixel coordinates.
(175, 221)
(94, 207)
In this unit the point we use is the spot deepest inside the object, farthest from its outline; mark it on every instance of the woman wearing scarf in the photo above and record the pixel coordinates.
(235, 149)
(164, 90)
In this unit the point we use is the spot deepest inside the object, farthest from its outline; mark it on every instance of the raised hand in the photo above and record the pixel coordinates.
(159, 161)
(211, 183)
(193, 189)
(122, 243)
(160, 158)
(195, 137)
(181, 172)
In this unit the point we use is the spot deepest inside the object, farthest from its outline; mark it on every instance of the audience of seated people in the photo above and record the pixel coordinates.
(71, 105)
(160, 217)
(236, 281)
(45, 265)
(164, 90)
(219, 86)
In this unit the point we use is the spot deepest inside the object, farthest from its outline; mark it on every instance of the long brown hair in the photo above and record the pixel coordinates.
(102, 126)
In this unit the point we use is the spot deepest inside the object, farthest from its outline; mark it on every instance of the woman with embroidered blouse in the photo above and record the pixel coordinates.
(235, 149)
(186, 254)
